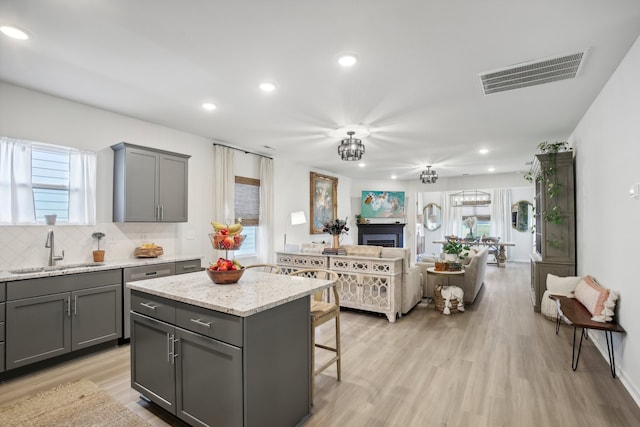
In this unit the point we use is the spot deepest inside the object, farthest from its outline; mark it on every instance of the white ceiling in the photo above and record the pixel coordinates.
(416, 85)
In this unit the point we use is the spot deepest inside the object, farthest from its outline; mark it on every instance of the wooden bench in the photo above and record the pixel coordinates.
(574, 313)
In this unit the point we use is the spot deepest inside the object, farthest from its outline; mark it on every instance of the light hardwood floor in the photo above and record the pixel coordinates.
(497, 364)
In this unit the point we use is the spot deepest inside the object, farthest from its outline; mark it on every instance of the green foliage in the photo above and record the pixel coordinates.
(455, 248)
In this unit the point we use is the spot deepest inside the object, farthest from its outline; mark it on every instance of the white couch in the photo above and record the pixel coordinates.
(475, 266)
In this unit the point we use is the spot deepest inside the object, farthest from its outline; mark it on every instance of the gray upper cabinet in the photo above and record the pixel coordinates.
(149, 185)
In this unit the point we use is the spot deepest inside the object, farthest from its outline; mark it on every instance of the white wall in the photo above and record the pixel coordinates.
(607, 149)
(34, 116)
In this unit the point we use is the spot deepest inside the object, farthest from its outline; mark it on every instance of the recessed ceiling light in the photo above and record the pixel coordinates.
(209, 106)
(267, 87)
(393, 177)
(483, 151)
(362, 165)
(347, 60)
(491, 169)
(13, 32)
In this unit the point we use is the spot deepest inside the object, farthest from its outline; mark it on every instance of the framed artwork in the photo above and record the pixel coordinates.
(323, 200)
(383, 204)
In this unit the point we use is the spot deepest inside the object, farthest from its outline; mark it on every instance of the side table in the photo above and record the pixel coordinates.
(444, 278)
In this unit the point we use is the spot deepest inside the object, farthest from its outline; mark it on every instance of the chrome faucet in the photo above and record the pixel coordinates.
(49, 244)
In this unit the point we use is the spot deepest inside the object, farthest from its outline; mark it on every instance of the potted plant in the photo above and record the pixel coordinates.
(98, 256)
(455, 250)
(360, 219)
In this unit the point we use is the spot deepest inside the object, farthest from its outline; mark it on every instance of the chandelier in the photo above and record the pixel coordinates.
(351, 148)
(428, 176)
(470, 198)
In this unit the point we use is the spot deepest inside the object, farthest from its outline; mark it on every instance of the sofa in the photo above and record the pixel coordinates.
(371, 278)
(474, 265)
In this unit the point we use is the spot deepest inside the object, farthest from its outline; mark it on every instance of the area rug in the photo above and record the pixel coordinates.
(81, 403)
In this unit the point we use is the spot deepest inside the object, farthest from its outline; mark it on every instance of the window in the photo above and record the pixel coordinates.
(50, 182)
(38, 179)
(247, 209)
(482, 223)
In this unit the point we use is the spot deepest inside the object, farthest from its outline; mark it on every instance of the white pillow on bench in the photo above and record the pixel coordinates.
(556, 285)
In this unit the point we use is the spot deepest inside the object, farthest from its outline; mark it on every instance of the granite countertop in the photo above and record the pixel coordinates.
(255, 291)
(73, 268)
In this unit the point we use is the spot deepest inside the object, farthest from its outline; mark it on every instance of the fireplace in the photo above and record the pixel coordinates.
(388, 235)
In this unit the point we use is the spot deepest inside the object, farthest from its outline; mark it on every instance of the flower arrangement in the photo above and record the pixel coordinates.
(470, 221)
(335, 227)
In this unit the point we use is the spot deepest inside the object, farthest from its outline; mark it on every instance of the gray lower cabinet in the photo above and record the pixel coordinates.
(132, 274)
(2, 310)
(197, 378)
(214, 369)
(52, 316)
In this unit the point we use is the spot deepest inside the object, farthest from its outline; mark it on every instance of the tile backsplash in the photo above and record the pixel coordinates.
(23, 246)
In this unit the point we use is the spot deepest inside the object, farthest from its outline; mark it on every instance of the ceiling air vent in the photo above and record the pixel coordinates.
(532, 73)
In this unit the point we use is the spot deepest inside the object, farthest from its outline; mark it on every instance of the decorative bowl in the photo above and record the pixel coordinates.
(441, 266)
(455, 266)
(225, 277)
(227, 242)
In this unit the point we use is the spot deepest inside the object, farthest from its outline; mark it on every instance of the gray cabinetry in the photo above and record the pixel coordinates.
(212, 368)
(555, 239)
(51, 316)
(149, 185)
(132, 274)
(2, 310)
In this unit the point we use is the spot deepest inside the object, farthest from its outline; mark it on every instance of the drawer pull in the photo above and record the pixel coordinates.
(201, 323)
(189, 267)
(148, 305)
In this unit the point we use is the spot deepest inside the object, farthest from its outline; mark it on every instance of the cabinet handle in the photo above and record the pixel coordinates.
(69, 306)
(173, 349)
(201, 323)
(161, 212)
(168, 347)
(75, 305)
(189, 267)
(148, 305)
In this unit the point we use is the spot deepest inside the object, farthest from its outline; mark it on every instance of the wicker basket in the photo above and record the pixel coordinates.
(439, 301)
(154, 252)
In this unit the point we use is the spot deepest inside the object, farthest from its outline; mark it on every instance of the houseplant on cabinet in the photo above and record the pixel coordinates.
(98, 256)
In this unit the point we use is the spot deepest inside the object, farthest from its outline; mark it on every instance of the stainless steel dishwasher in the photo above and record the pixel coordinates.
(133, 274)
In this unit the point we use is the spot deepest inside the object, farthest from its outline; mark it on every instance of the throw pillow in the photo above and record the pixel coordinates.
(556, 285)
(561, 285)
(598, 300)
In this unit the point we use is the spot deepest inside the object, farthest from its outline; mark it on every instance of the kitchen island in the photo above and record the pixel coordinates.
(224, 355)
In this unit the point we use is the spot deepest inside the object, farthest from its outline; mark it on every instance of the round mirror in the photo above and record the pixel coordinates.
(522, 215)
(431, 214)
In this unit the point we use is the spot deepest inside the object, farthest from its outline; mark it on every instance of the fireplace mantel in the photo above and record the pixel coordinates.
(390, 235)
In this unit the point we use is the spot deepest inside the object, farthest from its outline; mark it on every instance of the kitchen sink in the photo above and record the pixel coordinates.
(55, 268)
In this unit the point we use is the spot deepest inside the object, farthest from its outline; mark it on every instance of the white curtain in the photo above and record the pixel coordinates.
(223, 184)
(16, 195)
(82, 187)
(265, 229)
(501, 216)
(451, 217)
